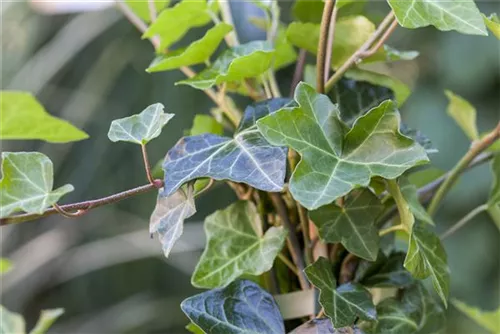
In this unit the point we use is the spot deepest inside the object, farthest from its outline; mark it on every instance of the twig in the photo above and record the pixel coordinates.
(152, 10)
(227, 17)
(288, 263)
(464, 221)
(147, 166)
(331, 38)
(323, 44)
(381, 41)
(299, 71)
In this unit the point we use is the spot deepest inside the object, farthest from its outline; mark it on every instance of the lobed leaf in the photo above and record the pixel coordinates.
(23, 117)
(141, 8)
(27, 183)
(206, 124)
(486, 319)
(46, 319)
(463, 113)
(493, 23)
(11, 322)
(241, 307)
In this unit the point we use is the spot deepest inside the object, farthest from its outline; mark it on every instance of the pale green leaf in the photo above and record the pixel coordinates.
(236, 245)
(206, 124)
(140, 128)
(47, 318)
(462, 16)
(342, 304)
(463, 113)
(352, 225)
(493, 23)
(23, 117)
(409, 192)
(11, 323)
(489, 320)
(5, 266)
(427, 257)
(141, 7)
(494, 200)
(197, 52)
(27, 183)
(336, 160)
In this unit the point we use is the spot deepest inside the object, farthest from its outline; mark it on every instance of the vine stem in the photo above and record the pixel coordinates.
(147, 166)
(405, 215)
(323, 44)
(299, 70)
(468, 217)
(331, 39)
(390, 229)
(476, 148)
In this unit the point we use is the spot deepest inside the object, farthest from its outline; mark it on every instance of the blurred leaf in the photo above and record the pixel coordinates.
(488, 320)
(409, 192)
(344, 303)
(236, 245)
(415, 313)
(173, 23)
(141, 8)
(206, 124)
(308, 10)
(11, 322)
(390, 274)
(250, 157)
(494, 200)
(392, 54)
(422, 177)
(192, 328)
(197, 52)
(352, 225)
(5, 266)
(427, 257)
(324, 326)
(23, 117)
(47, 318)
(493, 23)
(27, 183)
(169, 215)
(349, 159)
(140, 128)
(241, 307)
(243, 61)
(462, 16)
(463, 113)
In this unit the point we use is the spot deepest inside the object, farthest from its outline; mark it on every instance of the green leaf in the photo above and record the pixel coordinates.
(141, 8)
(236, 245)
(173, 23)
(308, 10)
(5, 266)
(425, 176)
(192, 328)
(464, 114)
(47, 318)
(206, 124)
(415, 313)
(494, 200)
(243, 61)
(27, 183)
(336, 160)
(390, 273)
(246, 158)
(342, 304)
(241, 307)
(493, 23)
(11, 322)
(324, 326)
(169, 214)
(197, 52)
(352, 225)
(23, 117)
(486, 319)
(462, 16)
(409, 192)
(427, 257)
(140, 128)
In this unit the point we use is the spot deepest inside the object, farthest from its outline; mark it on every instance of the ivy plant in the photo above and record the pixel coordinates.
(324, 178)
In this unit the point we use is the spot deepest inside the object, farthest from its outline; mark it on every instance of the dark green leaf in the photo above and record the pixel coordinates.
(493, 23)
(141, 8)
(47, 318)
(324, 326)
(390, 274)
(464, 114)
(352, 225)
(242, 307)
(344, 303)
(246, 158)
(236, 245)
(489, 320)
(336, 160)
(409, 192)
(11, 322)
(206, 124)
(27, 183)
(494, 200)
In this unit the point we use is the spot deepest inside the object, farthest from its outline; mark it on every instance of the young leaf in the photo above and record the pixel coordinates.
(11, 322)
(243, 61)
(27, 183)
(236, 245)
(462, 16)
(197, 52)
(241, 307)
(390, 274)
(206, 124)
(246, 158)
(352, 225)
(415, 313)
(169, 215)
(334, 163)
(47, 318)
(5, 266)
(140, 128)
(409, 192)
(493, 23)
(23, 117)
(344, 303)
(427, 257)
(485, 319)
(464, 114)
(324, 326)
(494, 201)
(141, 8)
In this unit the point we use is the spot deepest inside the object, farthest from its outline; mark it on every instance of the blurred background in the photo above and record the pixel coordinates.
(86, 64)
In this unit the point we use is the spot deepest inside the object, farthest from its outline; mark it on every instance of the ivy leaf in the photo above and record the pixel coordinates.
(246, 158)
(173, 23)
(11, 322)
(485, 319)
(334, 163)
(493, 23)
(197, 52)
(494, 200)
(5, 266)
(352, 225)
(242, 61)
(27, 183)
(391, 273)
(169, 214)
(141, 8)
(427, 257)
(236, 245)
(23, 117)
(206, 124)
(47, 318)
(140, 128)
(463, 113)
(462, 16)
(324, 326)
(242, 307)
(344, 303)
(415, 313)
(410, 194)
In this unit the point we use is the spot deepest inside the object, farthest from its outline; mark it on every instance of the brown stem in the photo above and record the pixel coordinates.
(329, 49)
(348, 268)
(323, 44)
(299, 70)
(66, 214)
(147, 166)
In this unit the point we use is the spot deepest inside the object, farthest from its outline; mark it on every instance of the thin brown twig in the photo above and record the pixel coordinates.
(299, 71)
(323, 44)
(381, 41)
(67, 214)
(331, 39)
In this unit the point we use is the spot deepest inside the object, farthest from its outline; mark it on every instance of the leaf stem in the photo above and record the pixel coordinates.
(461, 223)
(147, 166)
(390, 229)
(323, 44)
(289, 264)
(405, 215)
(476, 148)
(67, 214)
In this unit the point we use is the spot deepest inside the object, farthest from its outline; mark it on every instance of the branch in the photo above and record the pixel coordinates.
(323, 44)
(331, 39)
(464, 220)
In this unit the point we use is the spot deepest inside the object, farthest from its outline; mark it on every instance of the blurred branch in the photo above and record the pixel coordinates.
(323, 44)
